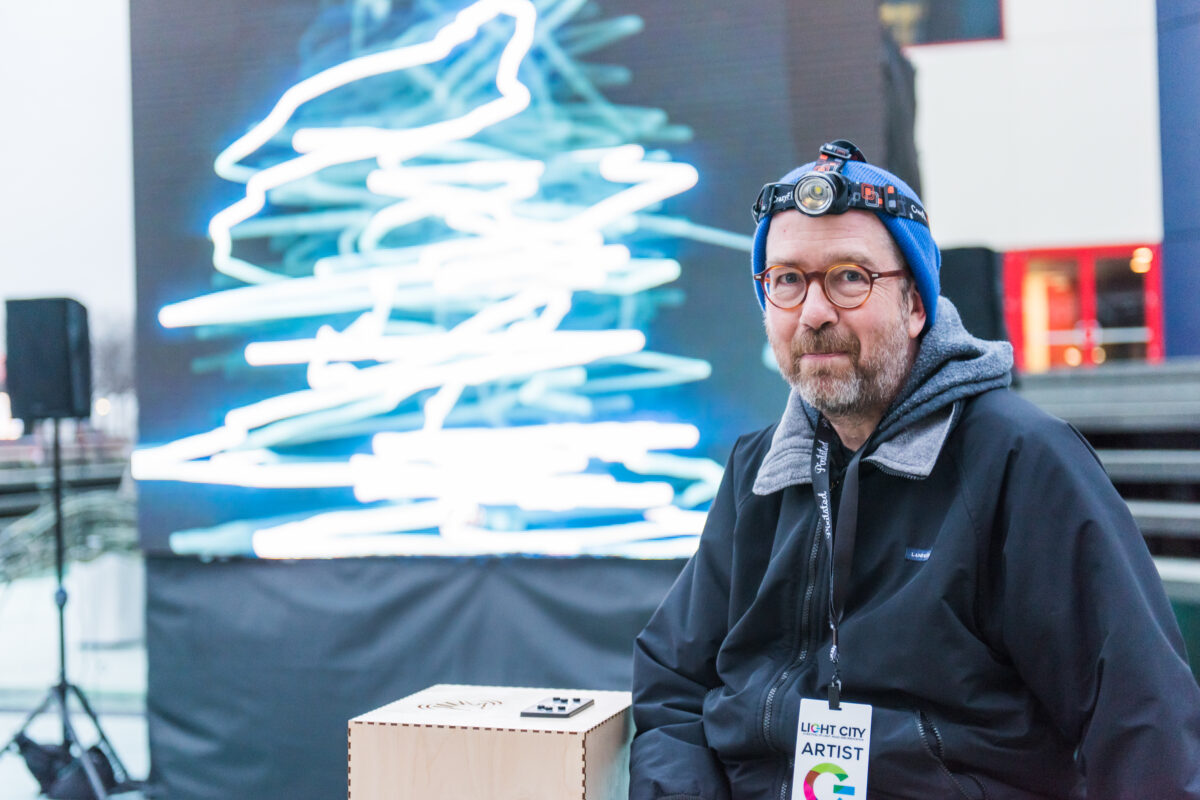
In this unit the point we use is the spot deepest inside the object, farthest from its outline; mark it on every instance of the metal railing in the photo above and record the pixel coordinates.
(98, 517)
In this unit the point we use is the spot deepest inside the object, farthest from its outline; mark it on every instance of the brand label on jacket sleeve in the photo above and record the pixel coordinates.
(833, 749)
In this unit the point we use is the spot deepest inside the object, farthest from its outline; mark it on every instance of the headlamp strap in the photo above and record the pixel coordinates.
(835, 154)
(773, 198)
(776, 197)
(886, 197)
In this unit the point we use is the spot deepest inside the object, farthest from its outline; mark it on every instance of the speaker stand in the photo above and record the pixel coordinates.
(59, 695)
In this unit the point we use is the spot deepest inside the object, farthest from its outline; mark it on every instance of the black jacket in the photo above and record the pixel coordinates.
(1033, 650)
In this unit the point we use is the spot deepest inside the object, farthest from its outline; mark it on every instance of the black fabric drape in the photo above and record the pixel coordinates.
(255, 667)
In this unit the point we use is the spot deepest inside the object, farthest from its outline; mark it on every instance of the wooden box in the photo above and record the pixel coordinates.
(471, 743)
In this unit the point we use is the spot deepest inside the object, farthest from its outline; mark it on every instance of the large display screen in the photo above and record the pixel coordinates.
(448, 278)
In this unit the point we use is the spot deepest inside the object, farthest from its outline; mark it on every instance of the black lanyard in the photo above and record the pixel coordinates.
(840, 541)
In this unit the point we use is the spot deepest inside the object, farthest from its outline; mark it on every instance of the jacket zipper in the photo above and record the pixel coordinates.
(894, 473)
(924, 724)
(804, 636)
(783, 788)
(938, 752)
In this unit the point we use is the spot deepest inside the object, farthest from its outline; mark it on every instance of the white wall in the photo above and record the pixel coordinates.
(66, 185)
(1049, 137)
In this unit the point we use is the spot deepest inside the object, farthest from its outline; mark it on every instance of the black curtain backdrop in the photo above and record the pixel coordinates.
(255, 667)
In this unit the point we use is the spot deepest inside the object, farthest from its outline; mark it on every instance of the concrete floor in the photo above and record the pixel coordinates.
(106, 658)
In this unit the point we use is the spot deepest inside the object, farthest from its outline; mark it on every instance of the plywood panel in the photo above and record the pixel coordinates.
(400, 762)
(454, 742)
(606, 758)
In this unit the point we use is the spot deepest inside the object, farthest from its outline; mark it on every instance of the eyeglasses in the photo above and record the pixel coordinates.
(845, 285)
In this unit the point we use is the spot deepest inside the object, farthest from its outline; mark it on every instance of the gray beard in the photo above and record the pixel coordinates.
(864, 388)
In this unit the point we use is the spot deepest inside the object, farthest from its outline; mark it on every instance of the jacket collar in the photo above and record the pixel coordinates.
(951, 366)
(910, 453)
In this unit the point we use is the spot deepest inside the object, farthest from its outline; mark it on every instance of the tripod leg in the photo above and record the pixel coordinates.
(118, 767)
(37, 712)
(73, 742)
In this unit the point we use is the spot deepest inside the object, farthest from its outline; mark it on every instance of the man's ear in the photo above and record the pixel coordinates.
(916, 312)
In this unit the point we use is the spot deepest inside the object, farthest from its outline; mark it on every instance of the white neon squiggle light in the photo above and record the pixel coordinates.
(326, 148)
(494, 293)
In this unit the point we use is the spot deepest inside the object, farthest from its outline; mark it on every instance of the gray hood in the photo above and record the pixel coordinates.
(951, 366)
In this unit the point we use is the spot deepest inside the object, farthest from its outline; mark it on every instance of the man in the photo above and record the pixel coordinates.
(990, 597)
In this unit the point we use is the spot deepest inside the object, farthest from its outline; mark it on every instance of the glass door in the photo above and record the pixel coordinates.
(1052, 323)
(1121, 304)
(1084, 306)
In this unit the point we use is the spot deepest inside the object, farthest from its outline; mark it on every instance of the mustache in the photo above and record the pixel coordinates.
(825, 340)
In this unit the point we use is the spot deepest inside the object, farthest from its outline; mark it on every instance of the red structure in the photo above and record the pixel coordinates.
(1078, 307)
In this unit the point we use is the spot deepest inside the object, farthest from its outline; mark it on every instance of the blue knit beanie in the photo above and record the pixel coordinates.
(914, 239)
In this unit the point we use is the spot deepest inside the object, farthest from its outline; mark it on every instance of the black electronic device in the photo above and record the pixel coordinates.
(558, 707)
(49, 367)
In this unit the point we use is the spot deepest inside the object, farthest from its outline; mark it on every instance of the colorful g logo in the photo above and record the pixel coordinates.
(837, 772)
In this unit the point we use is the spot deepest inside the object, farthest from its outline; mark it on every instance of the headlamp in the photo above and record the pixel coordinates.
(825, 190)
(817, 193)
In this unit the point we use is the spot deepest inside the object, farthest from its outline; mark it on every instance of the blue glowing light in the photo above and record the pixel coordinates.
(492, 225)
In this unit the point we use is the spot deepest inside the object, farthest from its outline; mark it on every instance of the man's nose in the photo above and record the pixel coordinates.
(817, 311)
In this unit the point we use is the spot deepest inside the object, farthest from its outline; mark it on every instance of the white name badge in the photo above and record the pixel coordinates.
(833, 749)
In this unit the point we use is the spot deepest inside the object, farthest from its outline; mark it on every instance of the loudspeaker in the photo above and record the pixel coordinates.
(971, 277)
(49, 359)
